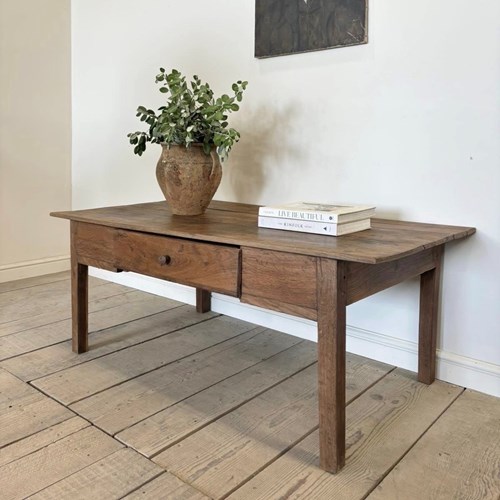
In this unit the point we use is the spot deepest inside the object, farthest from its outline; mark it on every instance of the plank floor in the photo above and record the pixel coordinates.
(171, 404)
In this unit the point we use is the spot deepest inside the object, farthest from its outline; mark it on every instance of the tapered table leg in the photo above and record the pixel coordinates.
(203, 300)
(331, 362)
(428, 321)
(79, 299)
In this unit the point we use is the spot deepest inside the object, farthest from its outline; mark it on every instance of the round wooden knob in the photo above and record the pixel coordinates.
(164, 260)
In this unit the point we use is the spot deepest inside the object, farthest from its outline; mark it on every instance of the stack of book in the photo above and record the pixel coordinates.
(317, 218)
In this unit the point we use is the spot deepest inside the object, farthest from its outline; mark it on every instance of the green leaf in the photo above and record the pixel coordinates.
(191, 114)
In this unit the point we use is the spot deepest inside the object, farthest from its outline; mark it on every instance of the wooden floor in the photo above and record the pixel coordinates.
(172, 404)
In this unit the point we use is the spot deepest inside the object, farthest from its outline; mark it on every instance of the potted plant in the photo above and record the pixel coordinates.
(193, 131)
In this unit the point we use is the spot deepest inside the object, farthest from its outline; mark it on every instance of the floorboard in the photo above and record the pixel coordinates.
(100, 297)
(57, 357)
(111, 477)
(32, 473)
(36, 301)
(167, 486)
(105, 313)
(225, 454)
(120, 407)
(172, 404)
(381, 426)
(169, 426)
(78, 382)
(34, 442)
(459, 457)
(36, 281)
(24, 411)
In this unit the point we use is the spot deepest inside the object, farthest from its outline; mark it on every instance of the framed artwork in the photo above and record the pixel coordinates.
(285, 27)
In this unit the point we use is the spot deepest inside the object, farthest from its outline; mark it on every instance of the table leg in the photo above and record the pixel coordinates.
(79, 300)
(428, 321)
(203, 300)
(331, 290)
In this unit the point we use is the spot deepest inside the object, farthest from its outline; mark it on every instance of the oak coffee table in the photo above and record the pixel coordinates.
(306, 275)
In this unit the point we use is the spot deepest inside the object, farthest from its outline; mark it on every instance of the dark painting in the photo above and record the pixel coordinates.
(291, 26)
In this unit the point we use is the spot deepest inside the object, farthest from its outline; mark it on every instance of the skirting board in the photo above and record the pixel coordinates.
(453, 368)
(31, 268)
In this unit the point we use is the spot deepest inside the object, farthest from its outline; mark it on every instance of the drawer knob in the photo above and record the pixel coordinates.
(164, 260)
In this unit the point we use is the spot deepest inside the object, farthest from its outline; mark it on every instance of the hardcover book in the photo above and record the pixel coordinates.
(315, 227)
(336, 214)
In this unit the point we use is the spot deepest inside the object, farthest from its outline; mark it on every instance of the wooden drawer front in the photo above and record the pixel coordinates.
(93, 242)
(202, 265)
(279, 280)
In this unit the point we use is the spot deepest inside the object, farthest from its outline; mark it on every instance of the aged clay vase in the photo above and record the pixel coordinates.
(188, 177)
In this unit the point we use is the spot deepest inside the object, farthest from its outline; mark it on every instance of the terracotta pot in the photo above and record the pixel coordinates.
(188, 178)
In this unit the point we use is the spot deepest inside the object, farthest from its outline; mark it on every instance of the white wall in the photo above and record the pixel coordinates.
(35, 136)
(409, 122)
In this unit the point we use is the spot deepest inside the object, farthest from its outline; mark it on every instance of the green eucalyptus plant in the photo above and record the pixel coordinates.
(191, 115)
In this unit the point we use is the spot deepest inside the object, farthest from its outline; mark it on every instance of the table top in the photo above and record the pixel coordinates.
(236, 224)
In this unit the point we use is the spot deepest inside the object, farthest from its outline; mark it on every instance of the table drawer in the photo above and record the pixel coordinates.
(278, 280)
(202, 265)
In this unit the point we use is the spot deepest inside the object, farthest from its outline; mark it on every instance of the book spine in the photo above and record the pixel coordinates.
(316, 216)
(298, 214)
(313, 227)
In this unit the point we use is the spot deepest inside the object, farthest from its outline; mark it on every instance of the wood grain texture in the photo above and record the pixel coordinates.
(167, 427)
(278, 305)
(331, 362)
(31, 443)
(381, 425)
(386, 241)
(111, 477)
(37, 306)
(54, 358)
(99, 263)
(119, 407)
(35, 299)
(94, 241)
(25, 411)
(402, 430)
(428, 320)
(279, 276)
(78, 382)
(36, 471)
(232, 206)
(105, 313)
(79, 299)
(459, 457)
(166, 486)
(44, 280)
(364, 280)
(203, 300)
(202, 265)
(221, 456)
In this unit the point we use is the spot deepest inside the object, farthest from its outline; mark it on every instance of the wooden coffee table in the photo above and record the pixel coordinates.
(306, 275)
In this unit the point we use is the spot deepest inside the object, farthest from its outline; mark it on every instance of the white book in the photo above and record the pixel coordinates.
(314, 227)
(336, 214)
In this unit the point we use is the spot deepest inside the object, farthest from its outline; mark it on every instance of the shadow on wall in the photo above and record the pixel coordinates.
(263, 151)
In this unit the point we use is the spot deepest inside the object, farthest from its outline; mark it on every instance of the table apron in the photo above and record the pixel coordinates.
(207, 266)
(364, 280)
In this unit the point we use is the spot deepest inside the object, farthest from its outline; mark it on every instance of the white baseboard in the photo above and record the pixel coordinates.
(31, 268)
(456, 369)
